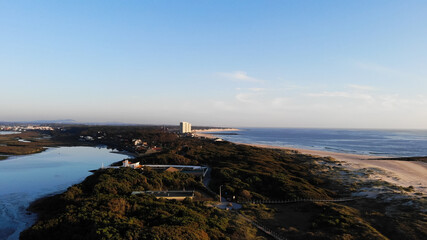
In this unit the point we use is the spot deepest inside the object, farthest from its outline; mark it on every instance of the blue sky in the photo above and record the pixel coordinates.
(344, 64)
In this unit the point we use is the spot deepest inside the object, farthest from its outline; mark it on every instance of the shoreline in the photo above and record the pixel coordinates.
(31, 208)
(202, 131)
(207, 133)
(398, 172)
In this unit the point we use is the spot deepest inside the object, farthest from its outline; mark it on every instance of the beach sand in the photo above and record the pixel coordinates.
(401, 173)
(202, 132)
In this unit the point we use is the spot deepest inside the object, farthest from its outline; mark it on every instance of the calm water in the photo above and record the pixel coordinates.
(7, 132)
(399, 143)
(24, 179)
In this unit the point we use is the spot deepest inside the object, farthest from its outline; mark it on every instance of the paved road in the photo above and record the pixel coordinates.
(207, 178)
(224, 204)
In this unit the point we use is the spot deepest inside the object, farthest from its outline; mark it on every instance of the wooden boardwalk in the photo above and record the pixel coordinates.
(299, 200)
(265, 229)
(276, 235)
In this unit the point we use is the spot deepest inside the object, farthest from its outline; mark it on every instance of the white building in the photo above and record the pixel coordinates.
(131, 165)
(137, 142)
(185, 127)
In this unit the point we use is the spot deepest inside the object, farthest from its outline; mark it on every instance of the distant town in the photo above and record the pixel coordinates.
(23, 128)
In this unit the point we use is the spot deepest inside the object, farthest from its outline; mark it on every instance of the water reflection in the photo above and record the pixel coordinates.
(24, 179)
(8, 132)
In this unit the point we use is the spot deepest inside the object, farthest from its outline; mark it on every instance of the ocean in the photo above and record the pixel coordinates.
(394, 143)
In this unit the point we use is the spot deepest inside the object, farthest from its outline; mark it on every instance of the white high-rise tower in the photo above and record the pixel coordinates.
(185, 127)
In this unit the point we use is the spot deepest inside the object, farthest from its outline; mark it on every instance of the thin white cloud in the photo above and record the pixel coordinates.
(223, 106)
(387, 71)
(283, 103)
(366, 102)
(257, 89)
(396, 102)
(361, 87)
(250, 95)
(352, 106)
(240, 76)
(328, 94)
(353, 95)
(377, 68)
(245, 98)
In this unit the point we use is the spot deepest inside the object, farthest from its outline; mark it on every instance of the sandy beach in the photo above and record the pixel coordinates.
(202, 132)
(401, 173)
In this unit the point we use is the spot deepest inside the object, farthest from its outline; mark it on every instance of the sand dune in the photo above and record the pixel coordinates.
(401, 173)
(202, 131)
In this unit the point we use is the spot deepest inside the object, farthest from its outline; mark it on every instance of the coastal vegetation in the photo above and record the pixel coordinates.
(420, 159)
(313, 220)
(11, 145)
(248, 172)
(102, 207)
(31, 142)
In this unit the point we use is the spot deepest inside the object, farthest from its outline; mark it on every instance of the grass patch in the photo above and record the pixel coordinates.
(10, 144)
(20, 150)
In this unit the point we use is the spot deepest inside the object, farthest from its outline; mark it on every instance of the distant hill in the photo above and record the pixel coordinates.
(62, 121)
(66, 121)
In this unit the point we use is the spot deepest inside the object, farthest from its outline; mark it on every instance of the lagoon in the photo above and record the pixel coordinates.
(8, 132)
(24, 179)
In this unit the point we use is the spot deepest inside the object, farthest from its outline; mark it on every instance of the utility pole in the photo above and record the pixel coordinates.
(220, 199)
